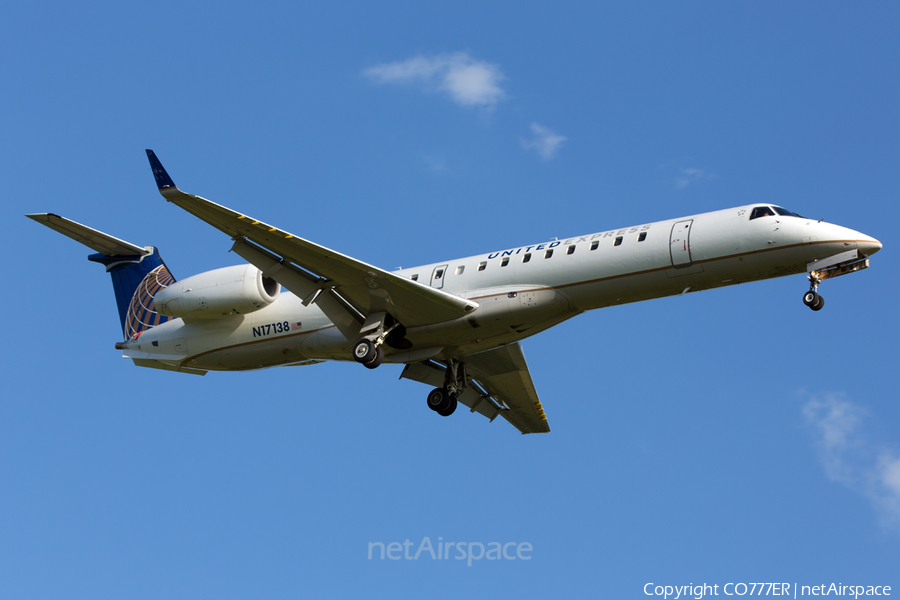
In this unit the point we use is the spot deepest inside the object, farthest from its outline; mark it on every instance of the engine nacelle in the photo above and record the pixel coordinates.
(232, 290)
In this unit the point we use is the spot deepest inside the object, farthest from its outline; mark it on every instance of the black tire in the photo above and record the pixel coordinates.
(449, 410)
(810, 298)
(820, 303)
(438, 399)
(363, 351)
(379, 358)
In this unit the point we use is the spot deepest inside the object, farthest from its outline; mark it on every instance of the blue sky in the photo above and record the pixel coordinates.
(728, 436)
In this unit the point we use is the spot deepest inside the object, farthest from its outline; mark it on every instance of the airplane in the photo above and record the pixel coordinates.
(455, 325)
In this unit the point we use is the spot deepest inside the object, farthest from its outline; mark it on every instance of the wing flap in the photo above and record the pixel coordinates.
(503, 373)
(346, 318)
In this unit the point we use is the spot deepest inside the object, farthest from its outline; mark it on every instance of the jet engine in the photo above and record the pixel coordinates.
(232, 290)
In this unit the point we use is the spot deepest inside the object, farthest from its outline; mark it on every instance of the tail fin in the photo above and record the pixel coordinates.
(136, 280)
(137, 273)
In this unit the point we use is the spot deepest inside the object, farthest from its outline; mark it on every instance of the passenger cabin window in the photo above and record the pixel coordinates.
(642, 236)
(595, 244)
(504, 261)
(548, 253)
(570, 250)
(761, 211)
(526, 258)
(482, 265)
(438, 274)
(460, 269)
(618, 241)
(415, 277)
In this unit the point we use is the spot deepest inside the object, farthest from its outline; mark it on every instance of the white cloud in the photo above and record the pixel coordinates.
(849, 458)
(470, 83)
(889, 476)
(545, 142)
(691, 175)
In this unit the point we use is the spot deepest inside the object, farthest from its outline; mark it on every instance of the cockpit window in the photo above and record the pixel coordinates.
(771, 211)
(762, 211)
(786, 213)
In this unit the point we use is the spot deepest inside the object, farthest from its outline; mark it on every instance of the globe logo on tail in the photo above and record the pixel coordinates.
(142, 313)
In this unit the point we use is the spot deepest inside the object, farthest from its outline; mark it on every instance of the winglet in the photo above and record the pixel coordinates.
(163, 181)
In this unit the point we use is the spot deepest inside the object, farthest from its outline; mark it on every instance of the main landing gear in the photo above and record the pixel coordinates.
(368, 350)
(443, 400)
(812, 298)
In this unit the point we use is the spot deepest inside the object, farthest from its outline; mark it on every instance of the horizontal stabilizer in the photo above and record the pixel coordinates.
(93, 239)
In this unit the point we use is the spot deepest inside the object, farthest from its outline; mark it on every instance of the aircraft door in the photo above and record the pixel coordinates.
(437, 277)
(680, 244)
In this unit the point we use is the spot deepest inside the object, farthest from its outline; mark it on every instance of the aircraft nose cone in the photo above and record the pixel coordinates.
(868, 246)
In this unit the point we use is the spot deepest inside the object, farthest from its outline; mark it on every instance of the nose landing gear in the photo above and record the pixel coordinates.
(826, 268)
(812, 298)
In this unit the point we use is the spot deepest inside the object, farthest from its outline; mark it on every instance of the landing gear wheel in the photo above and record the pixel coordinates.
(820, 303)
(364, 351)
(439, 399)
(379, 358)
(810, 298)
(449, 410)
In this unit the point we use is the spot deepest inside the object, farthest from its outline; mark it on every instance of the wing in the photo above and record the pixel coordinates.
(498, 384)
(347, 290)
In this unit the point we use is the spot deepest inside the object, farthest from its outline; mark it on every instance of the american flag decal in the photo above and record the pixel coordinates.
(295, 326)
(141, 311)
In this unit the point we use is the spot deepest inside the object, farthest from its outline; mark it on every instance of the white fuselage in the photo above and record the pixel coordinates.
(522, 291)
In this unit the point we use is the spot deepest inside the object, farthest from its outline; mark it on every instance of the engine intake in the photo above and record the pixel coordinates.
(232, 290)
